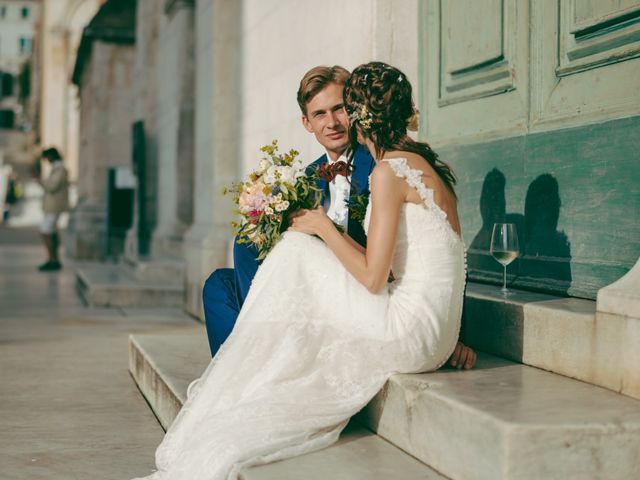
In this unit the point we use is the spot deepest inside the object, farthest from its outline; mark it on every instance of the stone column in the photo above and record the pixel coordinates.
(217, 152)
(105, 141)
(145, 85)
(53, 87)
(176, 94)
(61, 26)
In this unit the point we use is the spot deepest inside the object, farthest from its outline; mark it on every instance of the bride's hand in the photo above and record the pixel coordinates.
(313, 222)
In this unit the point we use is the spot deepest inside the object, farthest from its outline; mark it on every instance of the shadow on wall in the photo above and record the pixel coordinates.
(545, 252)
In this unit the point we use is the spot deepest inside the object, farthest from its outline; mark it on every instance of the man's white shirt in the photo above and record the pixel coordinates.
(339, 191)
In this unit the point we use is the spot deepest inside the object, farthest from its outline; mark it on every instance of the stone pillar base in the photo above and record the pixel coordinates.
(167, 241)
(205, 249)
(131, 245)
(86, 233)
(618, 323)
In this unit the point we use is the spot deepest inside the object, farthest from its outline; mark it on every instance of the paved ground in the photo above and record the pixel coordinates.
(68, 406)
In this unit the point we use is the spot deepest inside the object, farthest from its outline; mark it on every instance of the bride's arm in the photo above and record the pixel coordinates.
(372, 267)
(353, 243)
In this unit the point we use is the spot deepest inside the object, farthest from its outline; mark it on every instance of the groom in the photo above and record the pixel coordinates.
(323, 114)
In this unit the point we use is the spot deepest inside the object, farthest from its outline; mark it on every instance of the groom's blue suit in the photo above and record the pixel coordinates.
(225, 290)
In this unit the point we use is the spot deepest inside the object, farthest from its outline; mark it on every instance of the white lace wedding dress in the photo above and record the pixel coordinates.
(312, 346)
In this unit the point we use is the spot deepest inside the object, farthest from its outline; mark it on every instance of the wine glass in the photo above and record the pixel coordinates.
(504, 247)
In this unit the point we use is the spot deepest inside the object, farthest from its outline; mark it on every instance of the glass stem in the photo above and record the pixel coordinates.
(504, 278)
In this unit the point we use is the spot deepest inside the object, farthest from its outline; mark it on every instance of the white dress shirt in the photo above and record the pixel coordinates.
(339, 191)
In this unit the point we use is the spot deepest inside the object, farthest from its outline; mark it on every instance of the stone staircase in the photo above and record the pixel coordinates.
(158, 282)
(501, 420)
(164, 365)
(570, 336)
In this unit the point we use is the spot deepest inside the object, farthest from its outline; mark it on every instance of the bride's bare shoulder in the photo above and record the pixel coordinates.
(414, 161)
(385, 178)
(382, 171)
(411, 157)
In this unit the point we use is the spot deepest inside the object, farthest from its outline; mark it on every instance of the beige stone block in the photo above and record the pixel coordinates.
(562, 335)
(622, 297)
(164, 365)
(508, 421)
(109, 285)
(204, 251)
(631, 361)
(358, 455)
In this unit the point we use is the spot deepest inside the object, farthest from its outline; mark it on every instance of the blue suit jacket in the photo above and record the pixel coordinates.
(244, 255)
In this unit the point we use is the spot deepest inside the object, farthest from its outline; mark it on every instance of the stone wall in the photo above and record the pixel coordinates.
(328, 33)
(540, 121)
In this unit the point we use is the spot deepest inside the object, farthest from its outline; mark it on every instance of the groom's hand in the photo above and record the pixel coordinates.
(463, 357)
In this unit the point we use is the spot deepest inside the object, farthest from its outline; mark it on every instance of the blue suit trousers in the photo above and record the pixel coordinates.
(224, 293)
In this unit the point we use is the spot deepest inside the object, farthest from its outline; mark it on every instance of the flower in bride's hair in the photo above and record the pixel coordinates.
(362, 115)
(413, 123)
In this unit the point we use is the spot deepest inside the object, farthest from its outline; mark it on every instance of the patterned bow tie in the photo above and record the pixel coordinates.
(328, 171)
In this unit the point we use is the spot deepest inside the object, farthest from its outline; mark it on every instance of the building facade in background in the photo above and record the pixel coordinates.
(104, 73)
(54, 101)
(535, 104)
(19, 20)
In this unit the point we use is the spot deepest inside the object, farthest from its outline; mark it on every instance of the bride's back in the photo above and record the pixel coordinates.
(444, 198)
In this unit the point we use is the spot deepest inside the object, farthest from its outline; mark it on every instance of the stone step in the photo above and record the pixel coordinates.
(358, 455)
(156, 269)
(163, 366)
(504, 420)
(562, 335)
(501, 420)
(113, 285)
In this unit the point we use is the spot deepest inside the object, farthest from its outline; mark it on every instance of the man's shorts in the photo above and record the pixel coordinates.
(49, 224)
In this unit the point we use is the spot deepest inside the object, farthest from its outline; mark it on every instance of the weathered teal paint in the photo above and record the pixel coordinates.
(597, 170)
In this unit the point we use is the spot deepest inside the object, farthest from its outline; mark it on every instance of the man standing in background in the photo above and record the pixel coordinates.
(54, 202)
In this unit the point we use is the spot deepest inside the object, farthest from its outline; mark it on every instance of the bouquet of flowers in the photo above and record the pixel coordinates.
(279, 187)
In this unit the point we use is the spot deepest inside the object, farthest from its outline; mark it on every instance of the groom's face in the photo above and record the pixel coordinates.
(327, 119)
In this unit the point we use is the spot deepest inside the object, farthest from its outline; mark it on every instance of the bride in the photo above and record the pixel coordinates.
(301, 361)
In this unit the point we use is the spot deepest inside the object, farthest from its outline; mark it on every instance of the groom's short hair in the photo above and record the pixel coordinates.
(318, 78)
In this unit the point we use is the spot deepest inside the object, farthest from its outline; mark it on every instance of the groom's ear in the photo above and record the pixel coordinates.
(307, 124)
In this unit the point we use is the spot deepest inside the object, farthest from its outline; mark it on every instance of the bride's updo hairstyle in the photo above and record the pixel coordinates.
(378, 99)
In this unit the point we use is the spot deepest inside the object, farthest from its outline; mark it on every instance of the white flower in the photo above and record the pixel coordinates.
(287, 175)
(300, 169)
(277, 174)
(271, 175)
(264, 164)
(268, 211)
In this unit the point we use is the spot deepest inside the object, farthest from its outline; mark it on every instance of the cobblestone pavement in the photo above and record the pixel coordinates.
(68, 406)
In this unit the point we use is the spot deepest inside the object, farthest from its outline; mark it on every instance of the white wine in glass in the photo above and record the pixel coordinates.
(504, 247)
